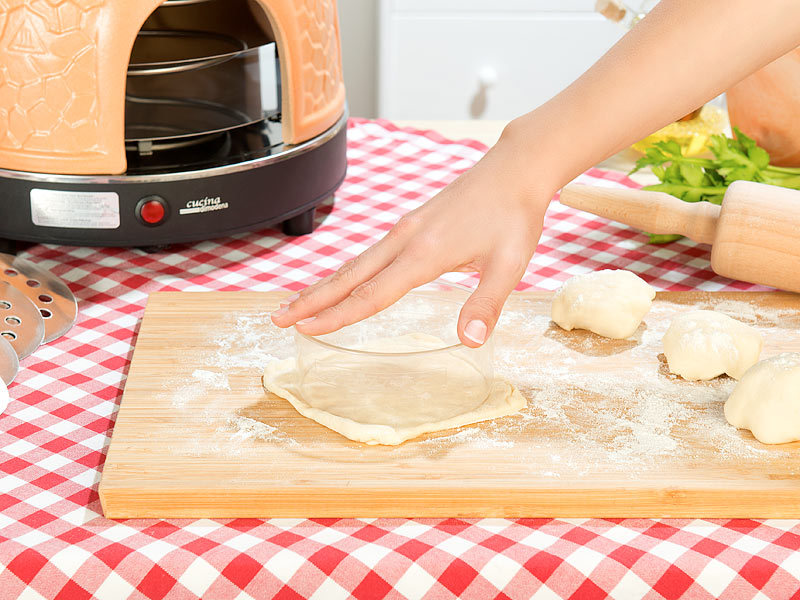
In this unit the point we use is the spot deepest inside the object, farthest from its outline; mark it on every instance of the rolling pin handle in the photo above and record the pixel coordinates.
(654, 212)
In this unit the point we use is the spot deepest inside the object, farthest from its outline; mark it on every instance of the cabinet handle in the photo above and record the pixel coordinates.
(487, 76)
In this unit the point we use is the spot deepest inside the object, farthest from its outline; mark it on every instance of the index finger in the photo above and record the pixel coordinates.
(372, 296)
(336, 287)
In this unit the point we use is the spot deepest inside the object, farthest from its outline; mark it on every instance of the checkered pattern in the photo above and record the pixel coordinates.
(54, 543)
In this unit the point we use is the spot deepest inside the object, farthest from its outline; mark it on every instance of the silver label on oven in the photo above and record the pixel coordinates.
(75, 210)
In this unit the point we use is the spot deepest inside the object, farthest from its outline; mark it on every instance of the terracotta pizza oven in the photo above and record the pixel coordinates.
(134, 123)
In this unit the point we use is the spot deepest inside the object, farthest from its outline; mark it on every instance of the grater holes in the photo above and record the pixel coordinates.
(33, 283)
(46, 299)
(9, 335)
(46, 314)
(13, 321)
(10, 273)
(5, 305)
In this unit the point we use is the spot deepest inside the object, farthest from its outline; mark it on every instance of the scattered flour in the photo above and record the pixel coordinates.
(215, 381)
(474, 437)
(253, 343)
(183, 394)
(244, 428)
(591, 408)
(587, 398)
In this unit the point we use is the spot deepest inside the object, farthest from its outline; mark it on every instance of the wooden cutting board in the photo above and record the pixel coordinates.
(608, 432)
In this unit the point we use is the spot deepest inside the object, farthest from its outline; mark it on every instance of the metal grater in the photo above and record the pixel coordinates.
(9, 362)
(21, 324)
(48, 293)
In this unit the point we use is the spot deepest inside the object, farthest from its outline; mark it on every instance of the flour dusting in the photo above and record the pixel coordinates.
(748, 312)
(245, 428)
(253, 343)
(247, 347)
(474, 437)
(613, 403)
(215, 381)
(595, 406)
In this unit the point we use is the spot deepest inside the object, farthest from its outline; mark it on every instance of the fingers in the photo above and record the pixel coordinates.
(481, 311)
(371, 296)
(334, 288)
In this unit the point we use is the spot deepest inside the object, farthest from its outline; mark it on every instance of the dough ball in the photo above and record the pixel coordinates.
(609, 303)
(767, 400)
(702, 344)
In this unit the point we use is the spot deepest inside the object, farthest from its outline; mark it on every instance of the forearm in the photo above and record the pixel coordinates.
(489, 220)
(682, 54)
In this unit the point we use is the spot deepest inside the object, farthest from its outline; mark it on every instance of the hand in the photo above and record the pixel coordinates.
(490, 219)
(487, 221)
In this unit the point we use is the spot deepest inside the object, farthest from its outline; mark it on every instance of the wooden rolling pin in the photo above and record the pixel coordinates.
(755, 233)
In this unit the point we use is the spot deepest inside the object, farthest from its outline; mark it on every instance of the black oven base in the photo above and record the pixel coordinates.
(284, 188)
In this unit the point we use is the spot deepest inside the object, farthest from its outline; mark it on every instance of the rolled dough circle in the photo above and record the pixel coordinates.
(767, 400)
(611, 303)
(333, 396)
(703, 344)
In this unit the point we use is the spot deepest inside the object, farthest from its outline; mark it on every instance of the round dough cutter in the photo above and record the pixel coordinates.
(21, 323)
(9, 362)
(52, 297)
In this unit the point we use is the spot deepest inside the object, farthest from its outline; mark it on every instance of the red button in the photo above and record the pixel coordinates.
(152, 212)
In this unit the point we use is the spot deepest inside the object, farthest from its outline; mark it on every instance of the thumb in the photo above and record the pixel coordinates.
(481, 311)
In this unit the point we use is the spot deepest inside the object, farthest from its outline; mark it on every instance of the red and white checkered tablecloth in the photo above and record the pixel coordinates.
(55, 543)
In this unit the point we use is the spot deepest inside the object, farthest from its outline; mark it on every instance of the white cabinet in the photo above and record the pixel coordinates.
(468, 59)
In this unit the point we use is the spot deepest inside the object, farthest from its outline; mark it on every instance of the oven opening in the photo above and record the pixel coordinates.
(203, 87)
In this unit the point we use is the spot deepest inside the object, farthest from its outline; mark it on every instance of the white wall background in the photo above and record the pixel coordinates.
(429, 59)
(358, 23)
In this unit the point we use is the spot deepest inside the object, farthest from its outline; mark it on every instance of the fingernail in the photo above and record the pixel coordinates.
(287, 301)
(281, 311)
(476, 331)
(306, 321)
